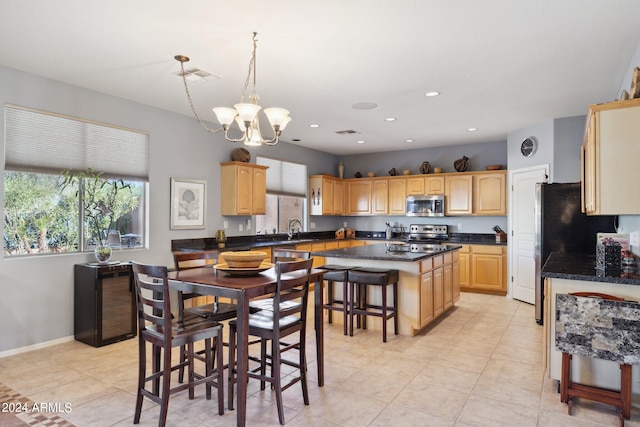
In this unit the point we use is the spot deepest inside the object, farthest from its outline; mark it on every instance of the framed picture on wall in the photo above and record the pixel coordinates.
(188, 202)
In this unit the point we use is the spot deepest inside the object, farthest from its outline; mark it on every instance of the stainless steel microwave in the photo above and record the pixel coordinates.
(431, 205)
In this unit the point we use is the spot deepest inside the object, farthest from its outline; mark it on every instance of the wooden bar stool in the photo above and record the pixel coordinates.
(359, 280)
(333, 274)
(585, 318)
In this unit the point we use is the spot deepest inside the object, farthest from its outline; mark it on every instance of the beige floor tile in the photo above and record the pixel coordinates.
(445, 376)
(482, 412)
(422, 396)
(508, 390)
(519, 371)
(398, 415)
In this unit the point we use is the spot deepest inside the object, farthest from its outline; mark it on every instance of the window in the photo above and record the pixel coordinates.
(70, 182)
(286, 196)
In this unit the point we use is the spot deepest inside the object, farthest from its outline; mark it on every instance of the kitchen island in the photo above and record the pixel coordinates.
(566, 273)
(429, 283)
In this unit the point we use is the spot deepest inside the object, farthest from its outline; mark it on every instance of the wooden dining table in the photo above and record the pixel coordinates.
(242, 289)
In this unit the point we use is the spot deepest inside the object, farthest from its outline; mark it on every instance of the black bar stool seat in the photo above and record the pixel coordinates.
(337, 273)
(359, 280)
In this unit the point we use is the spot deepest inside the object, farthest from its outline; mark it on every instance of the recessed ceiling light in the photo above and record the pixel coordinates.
(432, 93)
(472, 129)
(390, 119)
(314, 126)
(364, 106)
(360, 142)
(408, 140)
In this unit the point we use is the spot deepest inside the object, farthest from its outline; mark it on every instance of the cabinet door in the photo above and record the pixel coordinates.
(338, 196)
(490, 194)
(455, 274)
(463, 265)
(244, 190)
(359, 197)
(415, 186)
(397, 196)
(438, 292)
(434, 185)
(426, 298)
(259, 192)
(487, 272)
(380, 197)
(589, 166)
(327, 196)
(458, 191)
(447, 277)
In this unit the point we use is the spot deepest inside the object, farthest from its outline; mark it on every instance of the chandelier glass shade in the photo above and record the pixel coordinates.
(244, 114)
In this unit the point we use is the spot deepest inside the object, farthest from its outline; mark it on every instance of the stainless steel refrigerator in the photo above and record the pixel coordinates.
(562, 227)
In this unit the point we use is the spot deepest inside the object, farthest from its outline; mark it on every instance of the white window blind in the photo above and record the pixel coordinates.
(40, 141)
(284, 177)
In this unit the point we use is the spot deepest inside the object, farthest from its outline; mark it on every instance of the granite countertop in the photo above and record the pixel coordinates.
(384, 252)
(583, 267)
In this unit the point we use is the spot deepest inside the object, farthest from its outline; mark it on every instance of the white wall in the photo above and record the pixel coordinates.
(37, 292)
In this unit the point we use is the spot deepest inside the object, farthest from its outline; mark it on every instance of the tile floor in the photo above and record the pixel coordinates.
(480, 365)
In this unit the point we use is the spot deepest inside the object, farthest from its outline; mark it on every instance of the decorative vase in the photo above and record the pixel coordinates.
(340, 170)
(357, 174)
(221, 238)
(102, 252)
(460, 165)
(425, 168)
(393, 172)
(241, 155)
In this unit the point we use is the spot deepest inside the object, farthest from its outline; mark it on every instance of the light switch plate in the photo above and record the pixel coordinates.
(225, 224)
(240, 227)
(634, 238)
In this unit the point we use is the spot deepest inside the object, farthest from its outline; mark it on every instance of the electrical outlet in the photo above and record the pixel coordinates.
(312, 225)
(634, 238)
(459, 226)
(344, 224)
(225, 224)
(240, 227)
(248, 224)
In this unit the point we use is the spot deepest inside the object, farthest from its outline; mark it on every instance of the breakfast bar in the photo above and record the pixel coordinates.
(429, 279)
(567, 273)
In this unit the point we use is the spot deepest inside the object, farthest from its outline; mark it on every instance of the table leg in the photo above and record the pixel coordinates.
(318, 300)
(242, 359)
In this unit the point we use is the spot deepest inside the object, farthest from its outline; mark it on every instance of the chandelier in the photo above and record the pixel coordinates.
(245, 114)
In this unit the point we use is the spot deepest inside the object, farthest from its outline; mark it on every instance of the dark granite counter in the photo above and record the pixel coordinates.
(583, 267)
(384, 252)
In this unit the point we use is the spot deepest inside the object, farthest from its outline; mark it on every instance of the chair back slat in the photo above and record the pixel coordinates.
(292, 285)
(154, 305)
(286, 255)
(189, 260)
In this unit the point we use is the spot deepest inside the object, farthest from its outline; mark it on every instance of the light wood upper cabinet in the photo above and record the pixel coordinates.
(422, 186)
(489, 194)
(458, 195)
(397, 196)
(380, 197)
(243, 188)
(611, 149)
(415, 186)
(359, 197)
(434, 185)
(325, 195)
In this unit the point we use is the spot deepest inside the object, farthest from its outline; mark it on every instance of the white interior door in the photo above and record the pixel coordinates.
(522, 201)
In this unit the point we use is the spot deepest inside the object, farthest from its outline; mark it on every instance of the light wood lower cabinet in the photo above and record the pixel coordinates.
(439, 286)
(482, 269)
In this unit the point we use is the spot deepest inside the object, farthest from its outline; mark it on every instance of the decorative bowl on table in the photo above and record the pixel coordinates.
(243, 259)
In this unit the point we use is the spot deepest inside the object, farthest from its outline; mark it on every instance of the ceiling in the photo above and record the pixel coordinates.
(500, 65)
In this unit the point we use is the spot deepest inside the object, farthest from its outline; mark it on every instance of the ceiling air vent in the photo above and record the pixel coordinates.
(346, 132)
(195, 74)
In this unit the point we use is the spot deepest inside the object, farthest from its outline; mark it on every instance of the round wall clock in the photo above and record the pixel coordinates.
(528, 146)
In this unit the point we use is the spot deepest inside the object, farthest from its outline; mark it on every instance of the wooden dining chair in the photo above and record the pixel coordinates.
(218, 311)
(289, 254)
(284, 318)
(156, 326)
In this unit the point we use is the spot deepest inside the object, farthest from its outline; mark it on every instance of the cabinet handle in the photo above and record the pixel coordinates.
(318, 196)
(313, 197)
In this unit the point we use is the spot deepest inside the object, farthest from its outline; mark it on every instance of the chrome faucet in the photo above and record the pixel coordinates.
(289, 227)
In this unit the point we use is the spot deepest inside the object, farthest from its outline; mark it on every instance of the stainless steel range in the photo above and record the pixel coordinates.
(424, 233)
(424, 238)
